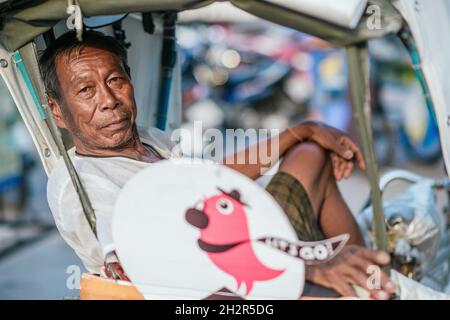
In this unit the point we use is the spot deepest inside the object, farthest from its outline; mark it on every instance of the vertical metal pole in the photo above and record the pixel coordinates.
(29, 55)
(88, 210)
(168, 61)
(360, 94)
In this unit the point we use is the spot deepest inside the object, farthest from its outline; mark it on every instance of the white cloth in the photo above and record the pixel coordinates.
(408, 289)
(346, 13)
(103, 178)
(428, 21)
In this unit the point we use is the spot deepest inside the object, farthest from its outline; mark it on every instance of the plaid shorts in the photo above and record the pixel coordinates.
(293, 199)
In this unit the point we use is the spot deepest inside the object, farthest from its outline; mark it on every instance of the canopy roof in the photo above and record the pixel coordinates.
(23, 20)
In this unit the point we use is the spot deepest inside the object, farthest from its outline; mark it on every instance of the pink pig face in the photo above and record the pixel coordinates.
(222, 220)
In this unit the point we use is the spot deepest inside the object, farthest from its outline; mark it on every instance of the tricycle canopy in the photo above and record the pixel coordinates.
(23, 20)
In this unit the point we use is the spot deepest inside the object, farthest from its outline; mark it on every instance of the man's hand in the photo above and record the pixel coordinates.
(349, 268)
(344, 152)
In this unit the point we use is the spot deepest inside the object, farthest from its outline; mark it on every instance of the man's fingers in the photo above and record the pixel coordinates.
(380, 295)
(379, 280)
(369, 258)
(356, 151)
(343, 288)
(335, 145)
(336, 141)
(348, 169)
(387, 284)
(344, 151)
(335, 163)
(360, 279)
(376, 257)
(376, 293)
(341, 168)
(338, 174)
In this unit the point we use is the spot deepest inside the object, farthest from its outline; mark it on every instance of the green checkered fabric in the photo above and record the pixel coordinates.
(293, 199)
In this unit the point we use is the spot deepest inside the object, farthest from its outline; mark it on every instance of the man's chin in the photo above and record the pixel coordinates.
(117, 141)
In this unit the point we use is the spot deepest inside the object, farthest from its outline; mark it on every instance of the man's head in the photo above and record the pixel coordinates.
(90, 92)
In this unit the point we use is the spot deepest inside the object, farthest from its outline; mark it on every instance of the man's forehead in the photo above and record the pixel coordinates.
(82, 59)
(86, 53)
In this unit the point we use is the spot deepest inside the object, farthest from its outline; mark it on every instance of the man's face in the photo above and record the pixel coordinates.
(97, 100)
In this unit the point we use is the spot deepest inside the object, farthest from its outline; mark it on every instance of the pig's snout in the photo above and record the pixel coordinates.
(197, 218)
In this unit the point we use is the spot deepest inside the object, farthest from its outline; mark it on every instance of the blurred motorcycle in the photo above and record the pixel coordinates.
(402, 115)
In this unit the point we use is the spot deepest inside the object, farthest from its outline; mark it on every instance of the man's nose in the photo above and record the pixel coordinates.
(197, 218)
(108, 99)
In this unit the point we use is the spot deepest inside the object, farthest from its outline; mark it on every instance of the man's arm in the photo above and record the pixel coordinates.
(343, 151)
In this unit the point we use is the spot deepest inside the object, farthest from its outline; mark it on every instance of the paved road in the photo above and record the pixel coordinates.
(38, 270)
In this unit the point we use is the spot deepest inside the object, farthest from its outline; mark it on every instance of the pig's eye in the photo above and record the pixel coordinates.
(224, 206)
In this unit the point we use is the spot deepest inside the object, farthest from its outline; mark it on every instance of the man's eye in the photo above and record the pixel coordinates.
(116, 79)
(84, 90)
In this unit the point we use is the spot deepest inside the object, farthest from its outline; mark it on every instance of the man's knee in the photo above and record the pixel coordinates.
(306, 157)
(310, 164)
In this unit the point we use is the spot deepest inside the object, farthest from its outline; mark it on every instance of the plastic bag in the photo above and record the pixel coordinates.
(413, 226)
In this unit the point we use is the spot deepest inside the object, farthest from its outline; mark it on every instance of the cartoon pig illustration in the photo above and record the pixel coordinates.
(225, 237)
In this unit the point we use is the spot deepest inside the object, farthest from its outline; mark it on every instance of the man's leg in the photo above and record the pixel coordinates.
(311, 166)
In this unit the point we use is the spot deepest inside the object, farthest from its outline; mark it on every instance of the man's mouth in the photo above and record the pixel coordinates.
(117, 124)
(217, 248)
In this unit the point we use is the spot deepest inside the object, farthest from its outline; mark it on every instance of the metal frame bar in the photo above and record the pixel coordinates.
(29, 54)
(358, 60)
(168, 61)
(21, 70)
(45, 145)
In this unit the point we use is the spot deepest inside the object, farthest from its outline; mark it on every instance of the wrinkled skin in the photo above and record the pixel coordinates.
(97, 104)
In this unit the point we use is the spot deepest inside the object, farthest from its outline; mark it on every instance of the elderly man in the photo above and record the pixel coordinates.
(91, 96)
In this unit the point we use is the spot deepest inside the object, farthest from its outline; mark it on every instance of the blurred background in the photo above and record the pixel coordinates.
(244, 74)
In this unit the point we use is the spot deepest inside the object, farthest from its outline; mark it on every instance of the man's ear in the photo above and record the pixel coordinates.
(57, 114)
